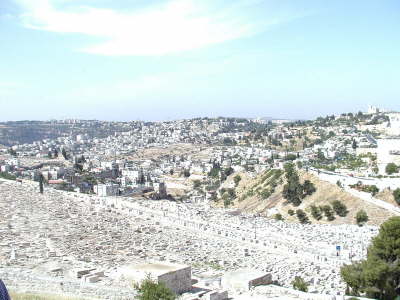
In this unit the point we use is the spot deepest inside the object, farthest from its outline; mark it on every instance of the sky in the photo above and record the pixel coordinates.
(162, 60)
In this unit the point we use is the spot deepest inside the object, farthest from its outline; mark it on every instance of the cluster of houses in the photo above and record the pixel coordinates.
(111, 166)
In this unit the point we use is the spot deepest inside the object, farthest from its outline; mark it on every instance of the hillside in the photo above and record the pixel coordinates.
(263, 195)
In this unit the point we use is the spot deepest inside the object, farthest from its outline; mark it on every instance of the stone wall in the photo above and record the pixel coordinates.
(179, 281)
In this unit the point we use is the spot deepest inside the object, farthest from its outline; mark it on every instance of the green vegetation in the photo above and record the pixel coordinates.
(328, 212)
(372, 189)
(196, 184)
(377, 276)
(6, 175)
(396, 195)
(339, 208)
(290, 212)
(391, 168)
(293, 191)
(302, 216)
(316, 212)
(18, 296)
(64, 154)
(228, 195)
(186, 173)
(237, 179)
(41, 179)
(300, 284)
(149, 289)
(361, 217)
(278, 217)
(291, 157)
(12, 152)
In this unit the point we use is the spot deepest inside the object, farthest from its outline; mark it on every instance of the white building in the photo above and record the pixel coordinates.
(104, 190)
(388, 151)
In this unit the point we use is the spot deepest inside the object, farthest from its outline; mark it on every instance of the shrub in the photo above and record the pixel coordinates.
(302, 216)
(396, 195)
(237, 179)
(391, 168)
(361, 217)
(328, 211)
(290, 212)
(300, 284)
(149, 289)
(265, 194)
(316, 212)
(278, 217)
(339, 208)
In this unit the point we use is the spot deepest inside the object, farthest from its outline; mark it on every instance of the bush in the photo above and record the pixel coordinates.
(308, 188)
(396, 195)
(302, 216)
(265, 194)
(339, 208)
(7, 175)
(328, 211)
(391, 168)
(237, 179)
(290, 212)
(278, 217)
(316, 212)
(196, 184)
(300, 284)
(149, 289)
(361, 217)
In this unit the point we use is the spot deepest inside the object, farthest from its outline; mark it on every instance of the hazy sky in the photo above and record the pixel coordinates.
(153, 60)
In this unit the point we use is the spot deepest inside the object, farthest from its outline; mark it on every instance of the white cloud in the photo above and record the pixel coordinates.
(178, 25)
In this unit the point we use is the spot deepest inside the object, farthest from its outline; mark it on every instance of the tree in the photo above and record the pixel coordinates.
(237, 179)
(186, 173)
(339, 208)
(354, 145)
(361, 217)
(302, 216)
(316, 212)
(196, 184)
(149, 289)
(278, 217)
(300, 284)
(64, 154)
(396, 195)
(290, 212)
(49, 154)
(328, 211)
(78, 167)
(308, 187)
(41, 179)
(228, 171)
(227, 200)
(55, 153)
(12, 152)
(391, 168)
(378, 275)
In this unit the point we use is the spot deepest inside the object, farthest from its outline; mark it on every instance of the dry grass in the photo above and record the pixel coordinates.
(18, 296)
(325, 194)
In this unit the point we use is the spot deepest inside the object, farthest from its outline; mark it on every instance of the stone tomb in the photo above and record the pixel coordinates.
(245, 279)
(176, 277)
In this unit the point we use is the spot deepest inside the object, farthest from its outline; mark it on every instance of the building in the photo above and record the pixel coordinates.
(104, 190)
(388, 151)
(160, 189)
